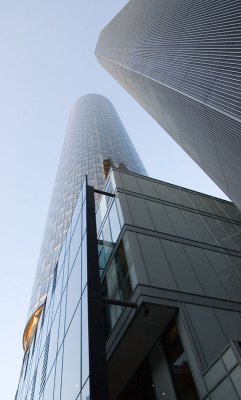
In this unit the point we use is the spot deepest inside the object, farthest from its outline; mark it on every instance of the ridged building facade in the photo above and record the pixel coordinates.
(95, 140)
(181, 60)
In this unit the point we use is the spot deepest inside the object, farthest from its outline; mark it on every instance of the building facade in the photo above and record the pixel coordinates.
(165, 262)
(181, 61)
(95, 140)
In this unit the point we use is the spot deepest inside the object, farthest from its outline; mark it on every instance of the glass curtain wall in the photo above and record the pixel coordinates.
(56, 365)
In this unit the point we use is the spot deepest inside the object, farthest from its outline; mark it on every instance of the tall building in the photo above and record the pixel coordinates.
(181, 61)
(165, 262)
(95, 140)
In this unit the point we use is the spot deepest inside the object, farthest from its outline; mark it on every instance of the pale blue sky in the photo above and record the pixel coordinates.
(47, 62)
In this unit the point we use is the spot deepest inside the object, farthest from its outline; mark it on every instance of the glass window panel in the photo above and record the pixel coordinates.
(214, 374)
(179, 365)
(118, 206)
(74, 245)
(123, 273)
(49, 387)
(224, 391)
(114, 178)
(73, 292)
(49, 297)
(54, 331)
(37, 341)
(84, 263)
(229, 359)
(84, 218)
(71, 360)
(28, 373)
(101, 253)
(107, 239)
(106, 231)
(98, 220)
(39, 375)
(58, 375)
(62, 319)
(236, 378)
(130, 246)
(67, 238)
(58, 292)
(112, 282)
(65, 269)
(103, 207)
(75, 217)
(85, 338)
(114, 222)
(83, 189)
(44, 330)
(86, 391)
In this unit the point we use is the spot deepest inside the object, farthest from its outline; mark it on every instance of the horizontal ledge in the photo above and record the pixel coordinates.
(116, 302)
(104, 193)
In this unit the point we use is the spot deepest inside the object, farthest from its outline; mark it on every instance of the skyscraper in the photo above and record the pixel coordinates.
(181, 61)
(95, 140)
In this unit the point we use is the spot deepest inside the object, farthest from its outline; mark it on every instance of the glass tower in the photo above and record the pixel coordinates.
(181, 61)
(95, 140)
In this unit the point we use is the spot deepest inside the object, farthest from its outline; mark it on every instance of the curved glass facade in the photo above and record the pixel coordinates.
(95, 140)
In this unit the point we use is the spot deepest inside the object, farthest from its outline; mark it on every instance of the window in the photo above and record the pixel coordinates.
(179, 366)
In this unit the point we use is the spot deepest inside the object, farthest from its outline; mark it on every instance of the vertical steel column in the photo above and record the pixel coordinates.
(97, 355)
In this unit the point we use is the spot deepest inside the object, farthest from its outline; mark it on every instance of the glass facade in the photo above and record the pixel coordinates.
(170, 301)
(94, 134)
(56, 366)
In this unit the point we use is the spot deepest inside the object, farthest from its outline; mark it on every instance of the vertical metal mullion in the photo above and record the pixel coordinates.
(97, 354)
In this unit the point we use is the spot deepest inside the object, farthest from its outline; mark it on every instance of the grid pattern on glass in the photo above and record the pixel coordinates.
(118, 284)
(225, 371)
(109, 223)
(119, 281)
(94, 133)
(56, 364)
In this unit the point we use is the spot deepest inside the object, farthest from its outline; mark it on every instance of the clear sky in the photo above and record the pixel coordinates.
(47, 62)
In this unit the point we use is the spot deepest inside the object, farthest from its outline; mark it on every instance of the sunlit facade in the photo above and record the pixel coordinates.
(181, 61)
(95, 140)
